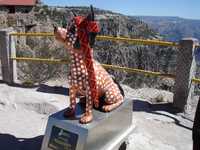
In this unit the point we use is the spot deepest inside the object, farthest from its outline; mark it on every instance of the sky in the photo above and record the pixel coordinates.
(180, 8)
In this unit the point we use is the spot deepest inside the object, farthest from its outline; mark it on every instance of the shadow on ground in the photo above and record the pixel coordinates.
(139, 105)
(20, 85)
(10, 142)
(53, 89)
(42, 88)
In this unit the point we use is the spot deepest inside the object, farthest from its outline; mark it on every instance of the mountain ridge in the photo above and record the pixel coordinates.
(173, 28)
(167, 17)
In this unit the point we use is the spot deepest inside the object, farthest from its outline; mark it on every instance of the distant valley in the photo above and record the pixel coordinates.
(173, 28)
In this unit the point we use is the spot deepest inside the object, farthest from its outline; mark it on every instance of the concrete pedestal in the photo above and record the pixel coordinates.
(106, 132)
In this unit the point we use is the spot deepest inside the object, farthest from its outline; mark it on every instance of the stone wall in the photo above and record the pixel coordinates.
(3, 9)
(24, 9)
(18, 9)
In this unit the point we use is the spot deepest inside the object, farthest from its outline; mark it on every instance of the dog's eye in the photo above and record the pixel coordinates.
(72, 29)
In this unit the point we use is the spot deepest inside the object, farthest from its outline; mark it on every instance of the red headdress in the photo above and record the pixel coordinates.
(83, 31)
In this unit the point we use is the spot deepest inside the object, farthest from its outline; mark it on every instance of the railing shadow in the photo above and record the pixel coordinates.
(53, 89)
(18, 85)
(10, 142)
(139, 105)
(42, 88)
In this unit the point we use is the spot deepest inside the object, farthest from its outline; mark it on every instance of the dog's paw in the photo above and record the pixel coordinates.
(108, 108)
(86, 118)
(96, 105)
(69, 112)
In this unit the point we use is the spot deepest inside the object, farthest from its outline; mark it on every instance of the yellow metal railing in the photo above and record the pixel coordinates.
(110, 38)
(196, 80)
(197, 46)
(114, 67)
(43, 60)
(32, 34)
(138, 41)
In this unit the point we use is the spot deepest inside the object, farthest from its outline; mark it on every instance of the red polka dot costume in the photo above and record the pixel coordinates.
(87, 77)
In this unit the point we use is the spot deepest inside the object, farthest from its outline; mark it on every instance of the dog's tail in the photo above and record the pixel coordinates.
(119, 86)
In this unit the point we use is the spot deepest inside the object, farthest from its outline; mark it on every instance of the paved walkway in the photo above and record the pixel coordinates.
(24, 113)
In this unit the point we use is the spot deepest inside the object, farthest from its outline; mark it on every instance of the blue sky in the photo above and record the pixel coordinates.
(181, 8)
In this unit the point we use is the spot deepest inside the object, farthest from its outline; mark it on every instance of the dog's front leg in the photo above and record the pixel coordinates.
(87, 116)
(71, 109)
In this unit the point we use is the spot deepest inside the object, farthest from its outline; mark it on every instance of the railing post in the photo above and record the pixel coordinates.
(185, 71)
(7, 50)
(196, 129)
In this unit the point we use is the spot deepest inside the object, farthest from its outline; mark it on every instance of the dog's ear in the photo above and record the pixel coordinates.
(90, 16)
(74, 14)
(92, 37)
(72, 29)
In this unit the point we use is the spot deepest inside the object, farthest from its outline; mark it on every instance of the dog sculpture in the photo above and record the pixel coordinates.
(87, 77)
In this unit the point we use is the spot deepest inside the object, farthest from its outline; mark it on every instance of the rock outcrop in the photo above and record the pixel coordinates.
(42, 18)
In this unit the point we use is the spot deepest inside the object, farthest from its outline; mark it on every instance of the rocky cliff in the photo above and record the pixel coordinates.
(42, 18)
